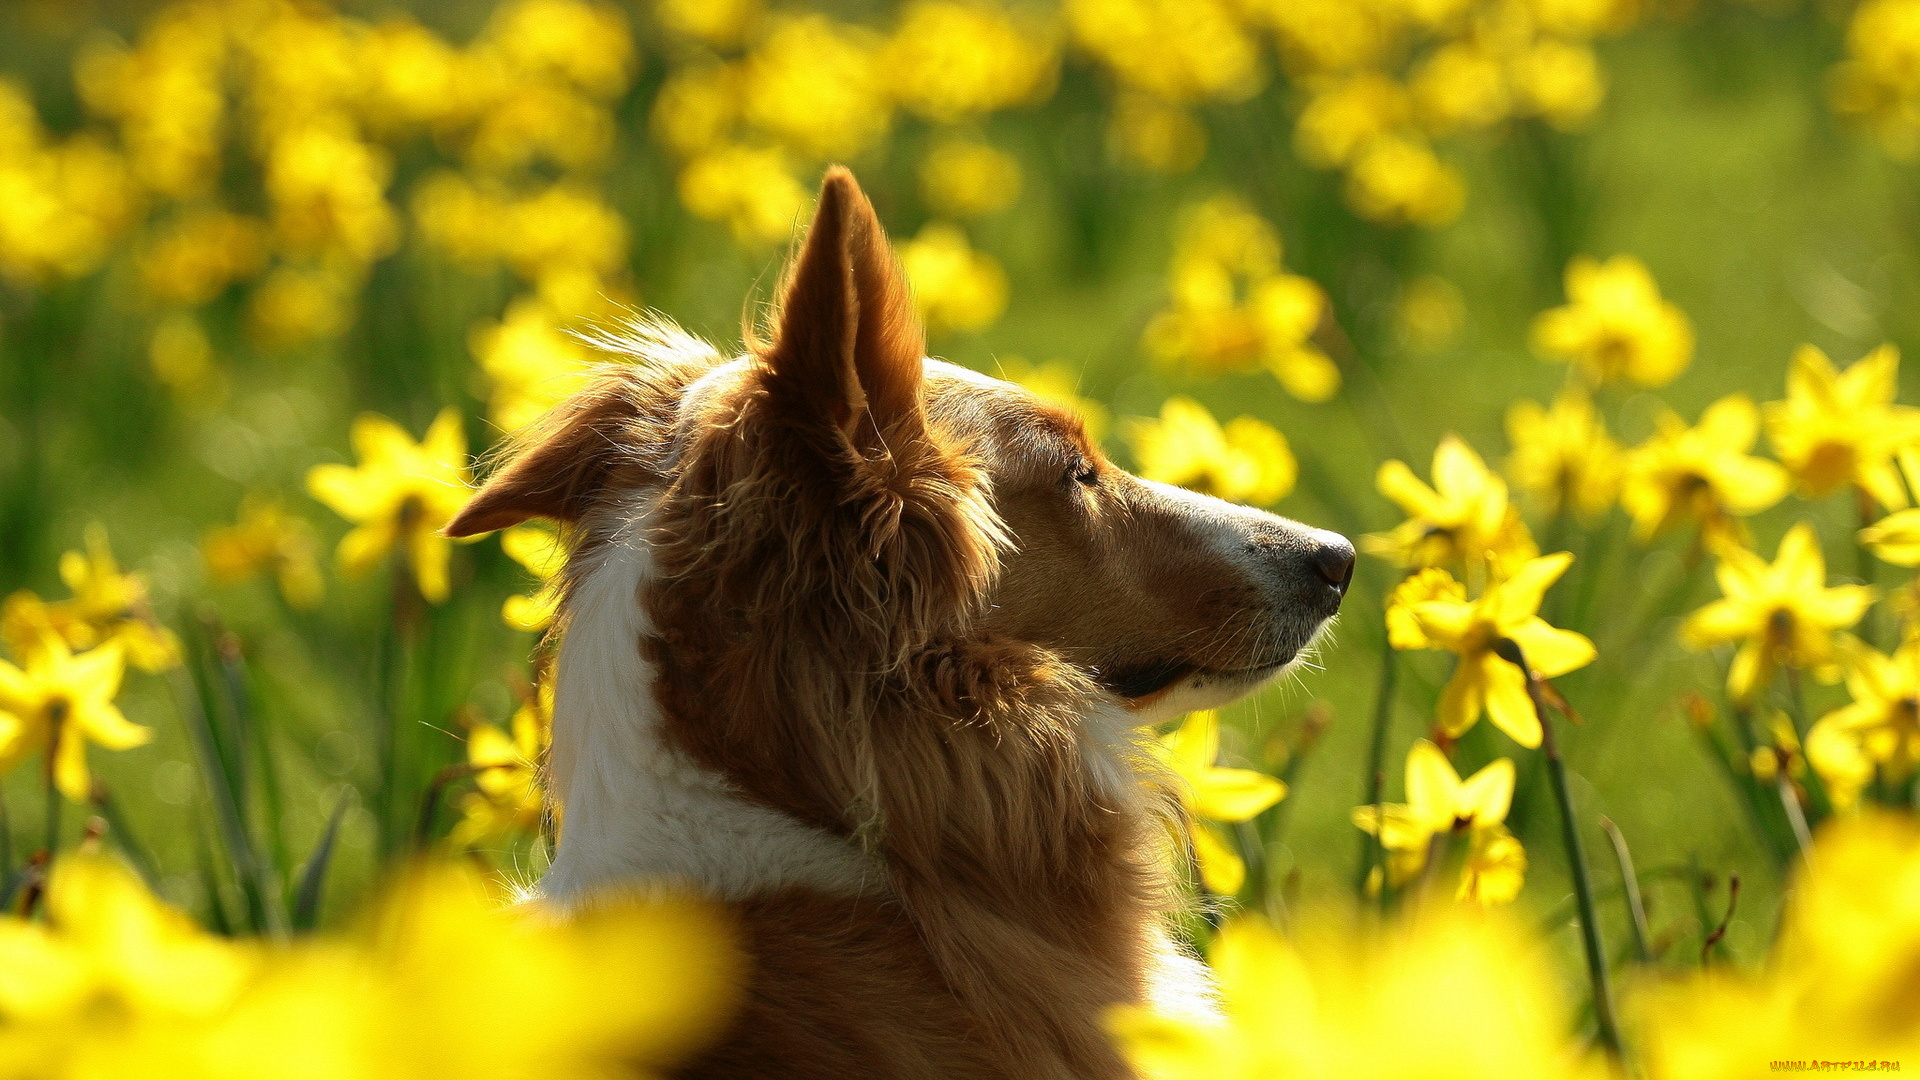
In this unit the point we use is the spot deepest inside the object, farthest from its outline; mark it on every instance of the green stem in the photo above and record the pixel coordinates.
(1630, 885)
(1576, 853)
(1370, 850)
(53, 799)
(1867, 566)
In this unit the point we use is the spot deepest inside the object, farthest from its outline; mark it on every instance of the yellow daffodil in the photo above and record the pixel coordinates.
(1883, 721)
(1483, 681)
(1615, 325)
(1463, 520)
(1781, 613)
(1212, 794)
(1837, 986)
(539, 552)
(1234, 307)
(57, 704)
(510, 797)
(955, 286)
(1704, 473)
(1245, 461)
(399, 496)
(1895, 538)
(267, 539)
(1439, 803)
(107, 606)
(1433, 583)
(1331, 1000)
(1563, 456)
(1838, 428)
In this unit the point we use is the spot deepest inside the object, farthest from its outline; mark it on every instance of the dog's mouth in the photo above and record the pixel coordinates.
(1132, 681)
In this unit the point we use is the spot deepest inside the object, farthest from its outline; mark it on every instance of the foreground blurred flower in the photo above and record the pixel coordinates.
(1439, 803)
(1235, 308)
(57, 704)
(1213, 794)
(1464, 520)
(1451, 995)
(1483, 681)
(1563, 456)
(1246, 461)
(399, 496)
(1837, 428)
(1838, 984)
(1881, 725)
(509, 798)
(1781, 613)
(441, 982)
(538, 551)
(1704, 473)
(955, 286)
(1615, 325)
(267, 540)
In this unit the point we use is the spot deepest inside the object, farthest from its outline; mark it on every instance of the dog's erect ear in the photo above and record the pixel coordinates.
(848, 346)
(564, 462)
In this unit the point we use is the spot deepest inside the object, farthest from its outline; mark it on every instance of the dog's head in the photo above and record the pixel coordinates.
(835, 487)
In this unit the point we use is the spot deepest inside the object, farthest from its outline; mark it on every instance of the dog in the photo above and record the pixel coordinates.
(860, 644)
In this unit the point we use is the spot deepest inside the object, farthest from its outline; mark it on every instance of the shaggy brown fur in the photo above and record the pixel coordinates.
(827, 548)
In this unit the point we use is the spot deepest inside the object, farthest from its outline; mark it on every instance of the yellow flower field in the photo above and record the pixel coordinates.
(1584, 319)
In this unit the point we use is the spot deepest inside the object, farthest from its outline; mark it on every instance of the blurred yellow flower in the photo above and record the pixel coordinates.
(1148, 133)
(1839, 428)
(58, 703)
(509, 799)
(1876, 83)
(399, 496)
(1558, 80)
(166, 95)
(955, 286)
(1464, 520)
(1058, 382)
(967, 178)
(817, 86)
(1881, 725)
(1615, 325)
(530, 363)
(1781, 613)
(697, 108)
(1395, 180)
(1838, 984)
(1461, 86)
(718, 22)
(1702, 473)
(198, 254)
(1181, 51)
(292, 307)
(107, 607)
(1235, 308)
(1452, 994)
(1563, 456)
(540, 553)
(954, 60)
(587, 45)
(181, 357)
(267, 539)
(749, 189)
(1895, 538)
(328, 191)
(1213, 794)
(114, 983)
(1246, 461)
(1344, 116)
(1439, 803)
(1482, 681)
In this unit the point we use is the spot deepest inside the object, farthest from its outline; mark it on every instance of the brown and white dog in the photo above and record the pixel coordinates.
(858, 643)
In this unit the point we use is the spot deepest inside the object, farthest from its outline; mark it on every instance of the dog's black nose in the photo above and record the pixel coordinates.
(1333, 558)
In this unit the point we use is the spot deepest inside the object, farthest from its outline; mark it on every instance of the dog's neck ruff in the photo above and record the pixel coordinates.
(636, 811)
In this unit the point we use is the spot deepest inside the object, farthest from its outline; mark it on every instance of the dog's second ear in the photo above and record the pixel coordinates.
(564, 461)
(848, 347)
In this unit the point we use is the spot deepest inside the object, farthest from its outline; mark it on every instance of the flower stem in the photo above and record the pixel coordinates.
(1630, 885)
(1866, 567)
(1576, 854)
(1370, 850)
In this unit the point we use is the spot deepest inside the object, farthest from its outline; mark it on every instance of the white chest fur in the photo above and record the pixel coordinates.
(637, 811)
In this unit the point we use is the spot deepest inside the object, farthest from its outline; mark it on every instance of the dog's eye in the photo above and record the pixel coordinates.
(1085, 474)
